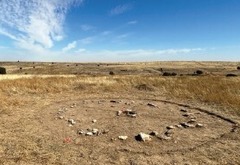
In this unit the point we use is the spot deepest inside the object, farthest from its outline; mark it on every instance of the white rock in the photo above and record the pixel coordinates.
(170, 127)
(122, 137)
(143, 137)
(94, 131)
(94, 121)
(60, 117)
(89, 134)
(119, 113)
(179, 125)
(81, 132)
(199, 125)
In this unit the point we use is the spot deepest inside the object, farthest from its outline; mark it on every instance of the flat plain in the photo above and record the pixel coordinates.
(77, 113)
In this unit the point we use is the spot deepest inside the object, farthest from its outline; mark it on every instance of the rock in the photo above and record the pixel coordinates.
(122, 137)
(186, 115)
(179, 126)
(169, 133)
(89, 134)
(143, 137)
(94, 131)
(192, 120)
(183, 110)
(60, 117)
(186, 125)
(81, 132)
(152, 105)
(114, 101)
(164, 137)
(131, 114)
(119, 113)
(94, 121)
(105, 131)
(71, 121)
(170, 127)
(153, 133)
(198, 125)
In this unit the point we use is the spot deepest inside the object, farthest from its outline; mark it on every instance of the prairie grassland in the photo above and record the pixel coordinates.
(214, 90)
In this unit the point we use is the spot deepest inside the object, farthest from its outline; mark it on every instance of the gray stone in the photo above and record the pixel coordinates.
(153, 133)
(71, 121)
(169, 133)
(105, 131)
(152, 105)
(164, 137)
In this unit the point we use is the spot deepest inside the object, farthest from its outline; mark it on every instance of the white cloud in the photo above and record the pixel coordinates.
(120, 9)
(34, 23)
(70, 46)
(132, 22)
(86, 27)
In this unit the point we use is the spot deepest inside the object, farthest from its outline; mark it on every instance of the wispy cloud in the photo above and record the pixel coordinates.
(120, 9)
(122, 36)
(107, 32)
(81, 50)
(3, 47)
(34, 23)
(87, 40)
(87, 27)
(70, 46)
(132, 22)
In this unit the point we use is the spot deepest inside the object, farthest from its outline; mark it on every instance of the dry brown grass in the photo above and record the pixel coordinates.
(212, 90)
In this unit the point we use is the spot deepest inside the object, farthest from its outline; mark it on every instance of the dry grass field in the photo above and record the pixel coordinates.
(39, 101)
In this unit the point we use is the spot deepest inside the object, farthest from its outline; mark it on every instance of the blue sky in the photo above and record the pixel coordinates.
(119, 30)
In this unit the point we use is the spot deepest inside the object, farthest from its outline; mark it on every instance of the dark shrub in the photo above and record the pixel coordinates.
(169, 74)
(144, 87)
(111, 73)
(20, 68)
(199, 72)
(238, 68)
(231, 75)
(174, 74)
(2, 70)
